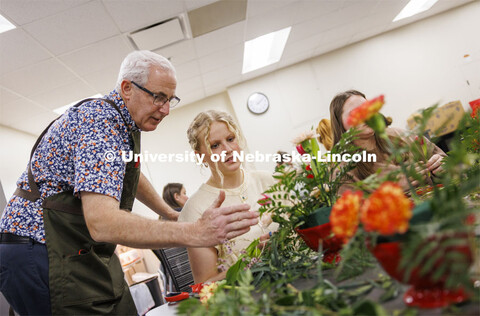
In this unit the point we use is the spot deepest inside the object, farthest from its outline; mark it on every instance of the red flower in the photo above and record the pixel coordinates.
(196, 288)
(365, 111)
(345, 214)
(424, 190)
(475, 105)
(300, 149)
(310, 176)
(387, 211)
(266, 200)
(471, 219)
(419, 140)
(308, 168)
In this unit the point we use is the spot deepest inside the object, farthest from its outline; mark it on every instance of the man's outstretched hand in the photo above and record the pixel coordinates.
(219, 223)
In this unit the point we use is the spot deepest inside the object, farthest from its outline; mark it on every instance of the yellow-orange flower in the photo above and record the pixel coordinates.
(207, 292)
(365, 111)
(387, 211)
(345, 215)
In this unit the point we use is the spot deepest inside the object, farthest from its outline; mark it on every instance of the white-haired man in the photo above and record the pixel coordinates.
(59, 229)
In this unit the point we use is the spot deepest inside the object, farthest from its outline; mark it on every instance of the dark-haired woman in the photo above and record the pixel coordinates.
(175, 195)
(340, 108)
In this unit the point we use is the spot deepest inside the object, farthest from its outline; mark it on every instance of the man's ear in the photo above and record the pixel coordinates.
(126, 88)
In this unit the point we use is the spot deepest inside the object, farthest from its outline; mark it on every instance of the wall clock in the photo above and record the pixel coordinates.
(258, 103)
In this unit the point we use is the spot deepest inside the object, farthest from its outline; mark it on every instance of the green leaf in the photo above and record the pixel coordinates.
(391, 292)
(234, 270)
(361, 290)
(286, 300)
(191, 306)
(369, 308)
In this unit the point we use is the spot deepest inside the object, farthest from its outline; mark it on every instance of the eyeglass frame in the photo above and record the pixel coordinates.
(155, 96)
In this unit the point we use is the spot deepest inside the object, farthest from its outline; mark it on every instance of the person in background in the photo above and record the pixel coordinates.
(213, 132)
(286, 159)
(175, 195)
(324, 132)
(73, 202)
(340, 108)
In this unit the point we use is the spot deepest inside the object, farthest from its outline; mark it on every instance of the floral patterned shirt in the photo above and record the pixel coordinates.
(72, 156)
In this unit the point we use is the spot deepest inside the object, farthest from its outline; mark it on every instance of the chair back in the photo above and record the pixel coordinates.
(177, 266)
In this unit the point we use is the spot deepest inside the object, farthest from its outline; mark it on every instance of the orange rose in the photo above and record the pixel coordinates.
(345, 215)
(387, 211)
(365, 111)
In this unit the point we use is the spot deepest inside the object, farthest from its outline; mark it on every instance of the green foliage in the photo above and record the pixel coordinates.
(441, 247)
(251, 252)
(260, 283)
(356, 258)
(284, 259)
(299, 191)
(323, 299)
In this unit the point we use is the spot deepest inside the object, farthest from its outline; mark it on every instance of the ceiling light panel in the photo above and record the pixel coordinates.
(5, 25)
(264, 50)
(414, 7)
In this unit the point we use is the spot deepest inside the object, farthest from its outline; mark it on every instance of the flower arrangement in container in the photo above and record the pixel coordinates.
(303, 196)
(420, 239)
(424, 241)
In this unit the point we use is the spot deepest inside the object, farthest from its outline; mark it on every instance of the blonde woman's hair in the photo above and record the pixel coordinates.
(200, 126)
(324, 131)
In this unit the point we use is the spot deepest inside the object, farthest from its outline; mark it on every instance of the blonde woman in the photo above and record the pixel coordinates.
(214, 132)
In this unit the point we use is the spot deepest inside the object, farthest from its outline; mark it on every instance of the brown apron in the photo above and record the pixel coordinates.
(85, 276)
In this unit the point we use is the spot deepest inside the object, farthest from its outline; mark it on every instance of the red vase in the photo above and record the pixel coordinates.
(331, 245)
(425, 292)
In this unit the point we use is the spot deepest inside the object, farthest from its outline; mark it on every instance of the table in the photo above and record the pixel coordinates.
(470, 308)
(163, 310)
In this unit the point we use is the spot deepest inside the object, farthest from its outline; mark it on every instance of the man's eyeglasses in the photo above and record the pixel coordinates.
(159, 99)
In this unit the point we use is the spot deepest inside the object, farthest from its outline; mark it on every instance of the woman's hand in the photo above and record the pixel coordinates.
(434, 164)
(265, 220)
(402, 181)
(263, 240)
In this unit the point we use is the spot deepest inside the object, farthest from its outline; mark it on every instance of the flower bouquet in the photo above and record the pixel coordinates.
(303, 196)
(424, 241)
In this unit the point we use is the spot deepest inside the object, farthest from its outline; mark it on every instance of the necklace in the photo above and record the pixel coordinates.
(240, 191)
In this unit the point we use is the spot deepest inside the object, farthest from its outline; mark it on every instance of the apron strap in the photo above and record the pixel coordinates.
(65, 202)
(112, 104)
(34, 193)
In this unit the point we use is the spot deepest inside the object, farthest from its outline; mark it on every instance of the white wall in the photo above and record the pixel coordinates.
(414, 66)
(14, 156)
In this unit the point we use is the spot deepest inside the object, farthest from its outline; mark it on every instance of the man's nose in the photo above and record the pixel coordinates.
(165, 109)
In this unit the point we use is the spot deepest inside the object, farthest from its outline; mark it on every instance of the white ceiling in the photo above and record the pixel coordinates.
(65, 50)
